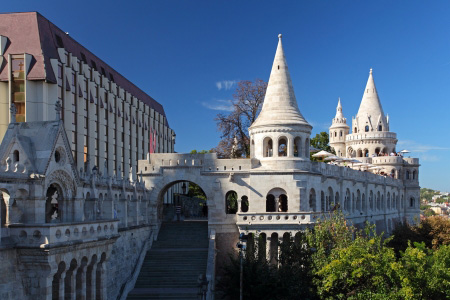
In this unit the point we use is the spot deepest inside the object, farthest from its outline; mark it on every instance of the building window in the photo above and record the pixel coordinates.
(380, 128)
(366, 129)
(18, 87)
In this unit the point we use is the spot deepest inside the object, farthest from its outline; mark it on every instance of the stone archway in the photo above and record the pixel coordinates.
(191, 206)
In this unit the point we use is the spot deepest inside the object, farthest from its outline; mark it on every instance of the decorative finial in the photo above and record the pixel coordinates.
(370, 70)
(58, 108)
(13, 111)
(279, 36)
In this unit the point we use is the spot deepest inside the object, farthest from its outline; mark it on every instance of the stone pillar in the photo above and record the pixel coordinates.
(61, 286)
(90, 284)
(8, 204)
(81, 283)
(275, 148)
(290, 149)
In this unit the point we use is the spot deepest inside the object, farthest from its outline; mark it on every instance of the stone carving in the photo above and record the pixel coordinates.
(65, 181)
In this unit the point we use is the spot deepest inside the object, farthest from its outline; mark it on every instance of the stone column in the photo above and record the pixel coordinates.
(290, 150)
(81, 283)
(91, 288)
(61, 286)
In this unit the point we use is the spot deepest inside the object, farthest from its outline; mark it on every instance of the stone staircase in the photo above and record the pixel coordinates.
(171, 268)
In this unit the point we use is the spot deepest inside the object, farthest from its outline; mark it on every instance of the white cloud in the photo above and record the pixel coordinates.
(225, 84)
(417, 147)
(225, 105)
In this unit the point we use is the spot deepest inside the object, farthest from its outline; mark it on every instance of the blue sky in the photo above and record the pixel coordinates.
(189, 54)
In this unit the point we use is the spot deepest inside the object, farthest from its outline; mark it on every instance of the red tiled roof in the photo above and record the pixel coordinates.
(31, 33)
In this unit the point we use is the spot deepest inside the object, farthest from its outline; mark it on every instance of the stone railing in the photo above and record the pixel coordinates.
(282, 218)
(411, 160)
(44, 235)
(207, 162)
(387, 160)
(370, 135)
(211, 266)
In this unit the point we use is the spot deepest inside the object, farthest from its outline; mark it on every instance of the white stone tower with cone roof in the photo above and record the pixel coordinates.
(370, 128)
(280, 133)
(338, 131)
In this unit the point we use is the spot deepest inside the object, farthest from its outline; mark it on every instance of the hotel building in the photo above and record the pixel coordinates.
(110, 122)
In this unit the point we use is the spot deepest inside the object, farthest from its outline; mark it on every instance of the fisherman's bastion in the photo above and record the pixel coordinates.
(88, 171)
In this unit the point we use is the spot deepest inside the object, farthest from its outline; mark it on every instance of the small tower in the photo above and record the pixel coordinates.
(338, 131)
(370, 128)
(280, 133)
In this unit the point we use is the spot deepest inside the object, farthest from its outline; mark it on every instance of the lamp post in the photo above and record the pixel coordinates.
(242, 246)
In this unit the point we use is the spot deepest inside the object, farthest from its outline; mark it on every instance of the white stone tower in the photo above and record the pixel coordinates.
(280, 134)
(338, 131)
(370, 127)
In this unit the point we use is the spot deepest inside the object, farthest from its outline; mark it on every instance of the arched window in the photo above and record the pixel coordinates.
(371, 200)
(366, 129)
(337, 200)
(297, 146)
(16, 156)
(282, 146)
(411, 202)
(312, 200)
(347, 200)
(268, 147)
(358, 200)
(231, 202)
(52, 204)
(283, 203)
(388, 201)
(414, 175)
(322, 201)
(335, 134)
(244, 204)
(377, 151)
(380, 128)
(356, 130)
(270, 203)
(363, 203)
(340, 133)
(359, 153)
(366, 153)
(407, 174)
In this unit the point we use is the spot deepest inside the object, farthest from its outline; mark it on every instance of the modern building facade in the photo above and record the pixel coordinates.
(106, 117)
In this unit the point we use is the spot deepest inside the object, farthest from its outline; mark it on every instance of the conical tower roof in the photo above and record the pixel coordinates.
(370, 103)
(339, 120)
(280, 106)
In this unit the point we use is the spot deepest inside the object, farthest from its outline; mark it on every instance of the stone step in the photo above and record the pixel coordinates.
(171, 268)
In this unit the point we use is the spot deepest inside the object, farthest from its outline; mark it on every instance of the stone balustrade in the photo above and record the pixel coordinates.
(44, 235)
(391, 160)
(273, 218)
(411, 160)
(370, 135)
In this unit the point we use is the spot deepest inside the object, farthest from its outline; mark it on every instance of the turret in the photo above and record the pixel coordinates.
(338, 131)
(280, 132)
(370, 128)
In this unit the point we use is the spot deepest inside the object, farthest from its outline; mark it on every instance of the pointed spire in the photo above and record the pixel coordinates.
(339, 120)
(280, 106)
(370, 103)
(339, 110)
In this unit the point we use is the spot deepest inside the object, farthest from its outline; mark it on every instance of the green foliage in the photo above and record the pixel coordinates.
(201, 151)
(321, 141)
(196, 191)
(334, 260)
(433, 231)
(427, 194)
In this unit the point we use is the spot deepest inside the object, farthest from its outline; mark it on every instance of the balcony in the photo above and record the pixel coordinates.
(273, 218)
(47, 235)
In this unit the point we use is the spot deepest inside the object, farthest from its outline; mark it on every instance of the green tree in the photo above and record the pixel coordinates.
(247, 102)
(201, 151)
(322, 141)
